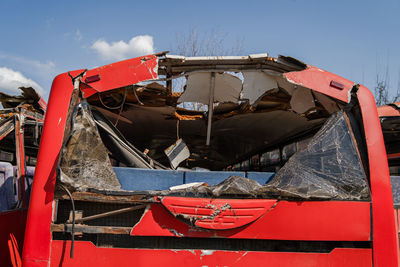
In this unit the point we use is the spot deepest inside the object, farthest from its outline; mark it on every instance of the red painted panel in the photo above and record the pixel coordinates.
(36, 250)
(11, 222)
(121, 74)
(385, 238)
(388, 111)
(320, 81)
(86, 254)
(218, 214)
(317, 220)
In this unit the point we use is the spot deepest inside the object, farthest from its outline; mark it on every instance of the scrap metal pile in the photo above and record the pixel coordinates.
(21, 123)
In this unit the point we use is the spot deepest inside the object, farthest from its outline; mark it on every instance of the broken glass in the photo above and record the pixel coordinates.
(84, 159)
(329, 167)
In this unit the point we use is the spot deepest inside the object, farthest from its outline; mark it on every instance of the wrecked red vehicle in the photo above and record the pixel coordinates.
(205, 161)
(21, 123)
(390, 120)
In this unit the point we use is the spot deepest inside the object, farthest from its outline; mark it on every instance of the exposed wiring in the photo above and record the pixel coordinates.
(119, 116)
(71, 255)
(137, 98)
(118, 107)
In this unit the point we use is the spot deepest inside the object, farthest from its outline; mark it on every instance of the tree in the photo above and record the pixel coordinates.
(381, 92)
(193, 43)
(382, 89)
(211, 43)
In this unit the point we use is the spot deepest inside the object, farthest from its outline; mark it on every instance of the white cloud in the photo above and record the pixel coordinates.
(137, 46)
(10, 80)
(48, 66)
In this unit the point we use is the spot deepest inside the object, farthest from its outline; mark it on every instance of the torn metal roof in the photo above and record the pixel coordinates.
(173, 65)
(29, 96)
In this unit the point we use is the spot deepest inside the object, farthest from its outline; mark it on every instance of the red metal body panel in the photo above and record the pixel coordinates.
(88, 255)
(322, 220)
(384, 229)
(383, 222)
(393, 156)
(218, 214)
(388, 111)
(20, 152)
(11, 222)
(36, 250)
(297, 221)
(121, 74)
(320, 80)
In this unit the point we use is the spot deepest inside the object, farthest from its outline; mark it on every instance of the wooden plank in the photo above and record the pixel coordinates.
(96, 197)
(89, 229)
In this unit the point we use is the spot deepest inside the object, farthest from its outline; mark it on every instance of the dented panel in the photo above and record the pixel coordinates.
(305, 105)
(287, 220)
(121, 74)
(218, 214)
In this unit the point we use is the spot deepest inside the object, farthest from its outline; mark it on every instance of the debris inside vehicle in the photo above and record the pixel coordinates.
(389, 116)
(21, 123)
(235, 120)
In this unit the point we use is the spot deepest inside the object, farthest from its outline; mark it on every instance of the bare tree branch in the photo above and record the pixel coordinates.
(382, 87)
(211, 43)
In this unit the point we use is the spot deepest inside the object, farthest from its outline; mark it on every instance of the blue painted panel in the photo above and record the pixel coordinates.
(7, 197)
(144, 179)
(261, 177)
(209, 177)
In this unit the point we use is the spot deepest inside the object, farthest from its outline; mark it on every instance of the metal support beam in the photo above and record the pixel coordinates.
(210, 108)
(109, 213)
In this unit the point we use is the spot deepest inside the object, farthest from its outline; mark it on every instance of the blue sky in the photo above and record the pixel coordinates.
(355, 39)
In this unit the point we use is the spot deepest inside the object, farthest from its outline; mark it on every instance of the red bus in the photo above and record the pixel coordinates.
(210, 161)
(390, 120)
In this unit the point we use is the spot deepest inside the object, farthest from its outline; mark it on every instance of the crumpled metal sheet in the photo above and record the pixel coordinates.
(256, 84)
(302, 100)
(29, 96)
(329, 168)
(84, 160)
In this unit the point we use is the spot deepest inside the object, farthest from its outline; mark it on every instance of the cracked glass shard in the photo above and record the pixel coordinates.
(84, 160)
(329, 167)
(236, 185)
